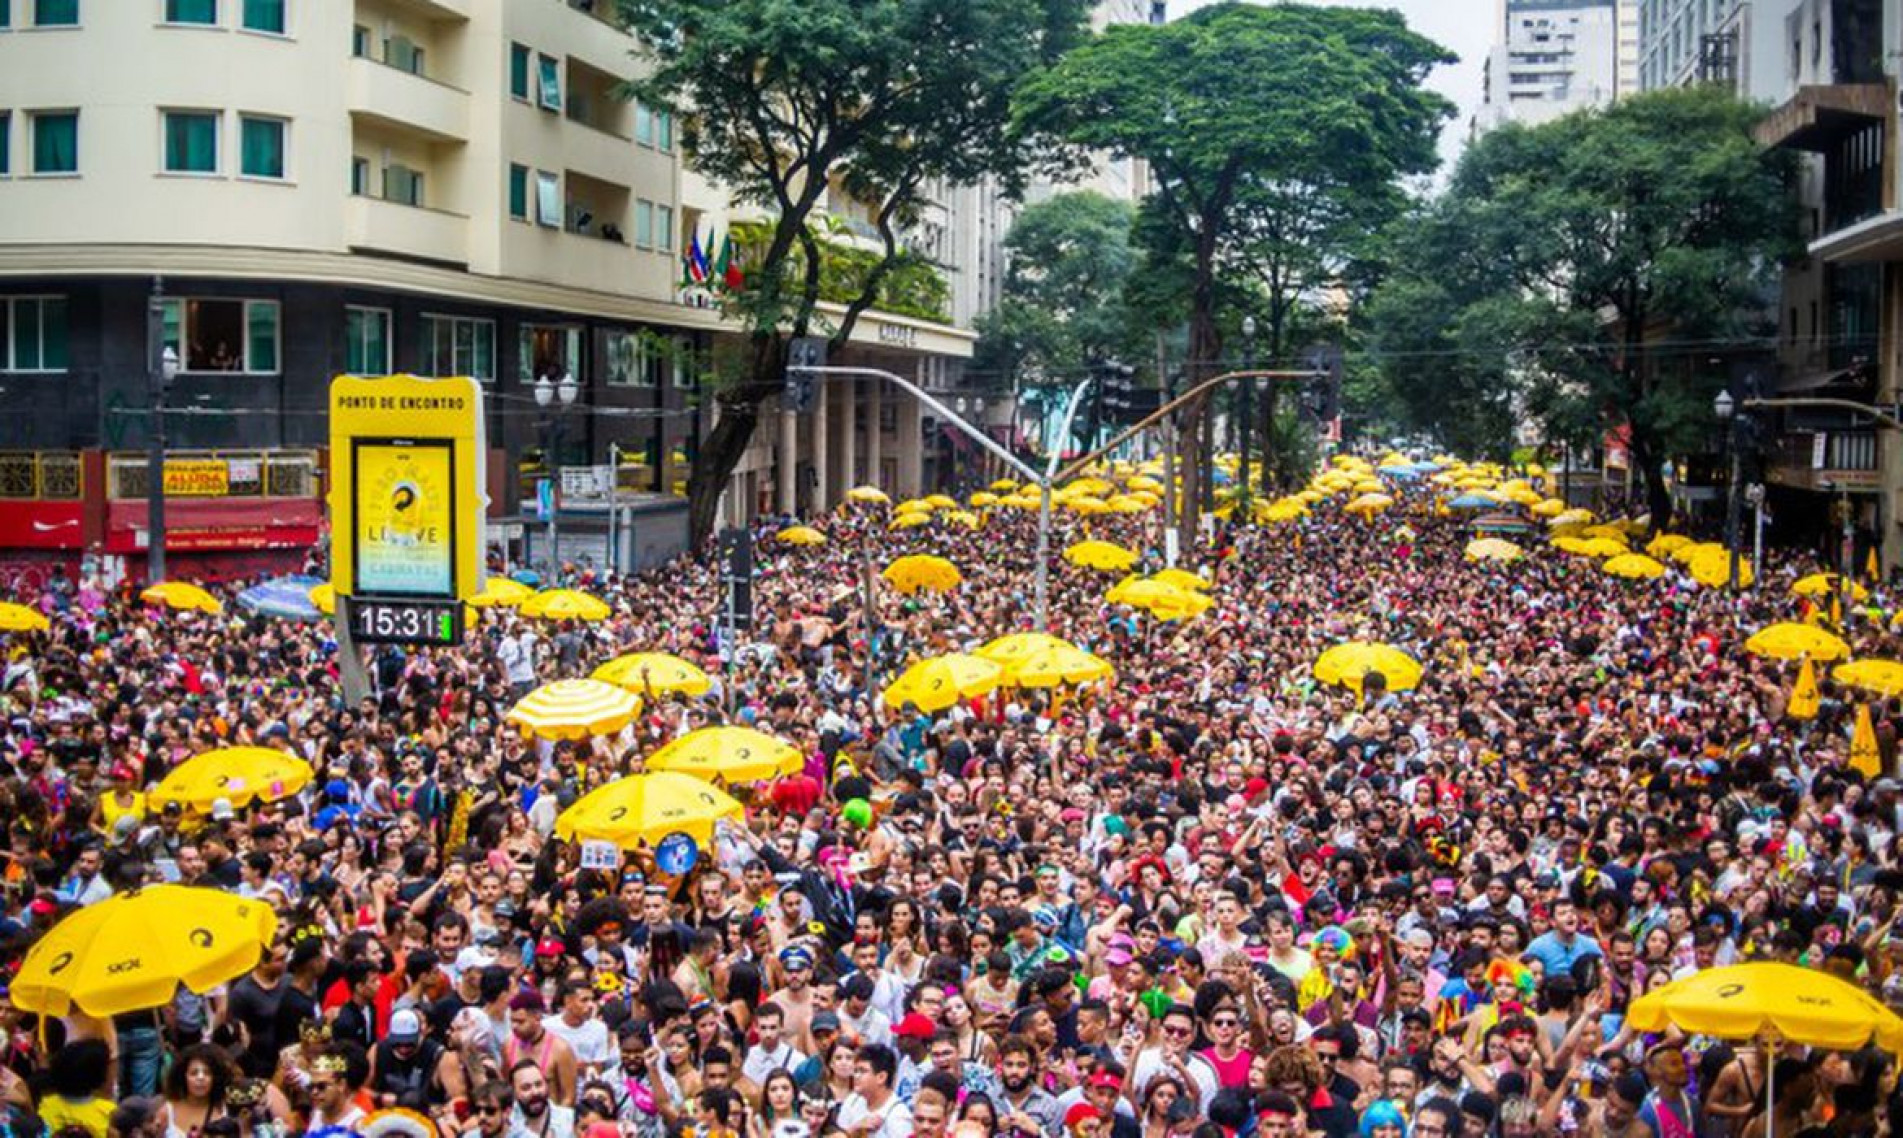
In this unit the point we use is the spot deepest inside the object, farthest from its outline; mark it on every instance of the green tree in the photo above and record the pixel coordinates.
(782, 100)
(1246, 114)
(1565, 263)
(1069, 258)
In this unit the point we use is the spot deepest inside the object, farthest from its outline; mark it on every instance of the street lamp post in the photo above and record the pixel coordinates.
(1247, 415)
(1726, 409)
(161, 370)
(554, 397)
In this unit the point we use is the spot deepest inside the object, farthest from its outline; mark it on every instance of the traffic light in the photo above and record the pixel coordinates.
(802, 355)
(1321, 391)
(1124, 400)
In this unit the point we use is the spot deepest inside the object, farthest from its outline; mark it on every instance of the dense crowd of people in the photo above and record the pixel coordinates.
(1210, 897)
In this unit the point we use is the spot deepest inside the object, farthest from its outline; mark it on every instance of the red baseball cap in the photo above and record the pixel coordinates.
(915, 1025)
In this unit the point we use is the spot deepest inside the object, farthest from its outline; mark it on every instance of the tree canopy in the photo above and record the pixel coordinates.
(1069, 260)
(1567, 268)
(781, 101)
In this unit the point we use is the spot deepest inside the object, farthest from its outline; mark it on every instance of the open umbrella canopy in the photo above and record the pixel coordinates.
(238, 775)
(1346, 665)
(1182, 579)
(19, 618)
(1878, 677)
(1712, 569)
(1004, 486)
(182, 596)
(801, 535)
(730, 754)
(1369, 504)
(1474, 500)
(941, 682)
(1633, 567)
(286, 598)
(1502, 523)
(1827, 585)
(983, 499)
(645, 808)
(922, 571)
(1589, 546)
(941, 501)
(574, 709)
(1102, 555)
(1764, 999)
(1160, 599)
(324, 598)
(1057, 664)
(1788, 640)
(1608, 530)
(1493, 549)
(132, 951)
(1017, 646)
(501, 592)
(1547, 508)
(565, 604)
(909, 519)
(1666, 543)
(868, 494)
(653, 672)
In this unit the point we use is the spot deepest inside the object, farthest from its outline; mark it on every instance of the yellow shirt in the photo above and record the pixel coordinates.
(93, 1115)
(111, 811)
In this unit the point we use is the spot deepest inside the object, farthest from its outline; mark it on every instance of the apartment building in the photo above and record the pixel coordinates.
(300, 188)
(1553, 57)
(1739, 43)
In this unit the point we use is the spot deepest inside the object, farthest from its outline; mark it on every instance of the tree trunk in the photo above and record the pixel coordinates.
(1205, 357)
(719, 453)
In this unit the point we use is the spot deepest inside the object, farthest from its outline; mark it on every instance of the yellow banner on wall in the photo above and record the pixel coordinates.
(203, 478)
(406, 499)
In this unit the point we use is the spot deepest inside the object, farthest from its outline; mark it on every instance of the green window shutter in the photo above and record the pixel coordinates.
(262, 143)
(6, 13)
(519, 192)
(6, 136)
(518, 71)
(56, 142)
(191, 143)
(265, 16)
(53, 334)
(191, 11)
(551, 83)
(261, 335)
(26, 335)
(55, 13)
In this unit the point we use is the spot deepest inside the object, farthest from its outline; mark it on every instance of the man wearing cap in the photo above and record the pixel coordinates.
(413, 1072)
(795, 1000)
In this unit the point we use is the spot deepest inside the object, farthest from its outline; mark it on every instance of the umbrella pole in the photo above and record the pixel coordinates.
(1770, 1079)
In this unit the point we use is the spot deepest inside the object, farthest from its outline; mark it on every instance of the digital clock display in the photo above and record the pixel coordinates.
(378, 621)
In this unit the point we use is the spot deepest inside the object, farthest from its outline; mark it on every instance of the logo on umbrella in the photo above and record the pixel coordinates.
(200, 937)
(617, 814)
(1730, 990)
(59, 964)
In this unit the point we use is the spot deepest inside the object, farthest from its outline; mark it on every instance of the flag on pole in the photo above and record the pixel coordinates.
(1864, 756)
(1804, 695)
(693, 263)
(1870, 569)
(727, 272)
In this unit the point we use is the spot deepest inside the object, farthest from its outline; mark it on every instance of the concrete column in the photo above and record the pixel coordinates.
(822, 448)
(1889, 522)
(848, 454)
(787, 471)
(875, 394)
(911, 441)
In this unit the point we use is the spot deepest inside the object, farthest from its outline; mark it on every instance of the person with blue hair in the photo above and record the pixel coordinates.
(1383, 1120)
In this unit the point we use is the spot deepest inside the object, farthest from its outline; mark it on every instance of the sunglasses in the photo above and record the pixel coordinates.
(1178, 1032)
(491, 1111)
(1225, 1021)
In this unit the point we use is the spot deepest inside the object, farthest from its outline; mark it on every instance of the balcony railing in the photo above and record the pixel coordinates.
(1827, 450)
(249, 474)
(40, 475)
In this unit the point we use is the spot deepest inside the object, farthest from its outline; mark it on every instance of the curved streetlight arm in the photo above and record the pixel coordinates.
(1160, 413)
(1883, 417)
(926, 397)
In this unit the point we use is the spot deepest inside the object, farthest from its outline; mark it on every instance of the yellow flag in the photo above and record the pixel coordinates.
(1864, 756)
(1836, 611)
(1870, 565)
(1804, 697)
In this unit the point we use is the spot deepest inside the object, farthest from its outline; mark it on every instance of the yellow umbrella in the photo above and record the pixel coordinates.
(181, 596)
(1092, 487)
(1086, 505)
(908, 519)
(1712, 569)
(922, 571)
(1573, 517)
(1790, 641)
(238, 775)
(1878, 677)
(983, 498)
(941, 501)
(1607, 530)
(1182, 579)
(964, 518)
(1493, 549)
(1059, 664)
(867, 494)
(1589, 547)
(1633, 566)
(1019, 646)
(1284, 512)
(1774, 1002)
(1106, 556)
(1550, 508)
(1692, 551)
(940, 682)
(19, 618)
(731, 754)
(1346, 664)
(497, 592)
(574, 709)
(1664, 544)
(913, 506)
(1144, 482)
(1162, 601)
(324, 598)
(1004, 486)
(647, 808)
(801, 535)
(1369, 504)
(565, 604)
(1827, 585)
(653, 672)
(132, 951)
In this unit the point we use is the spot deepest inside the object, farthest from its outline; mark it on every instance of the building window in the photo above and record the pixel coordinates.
(360, 42)
(664, 129)
(56, 142)
(664, 227)
(455, 345)
(191, 142)
(55, 13)
(627, 354)
(402, 53)
(6, 140)
(519, 192)
(548, 199)
(519, 71)
(33, 333)
(191, 12)
(683, 368)
(261, 142)
(550, 350)
(367, 341)
(265, 16)
(643, 124)
(6, 13)
(549, 82)
(402, 185)
(224, 335)
(643, 224)
(360, 176)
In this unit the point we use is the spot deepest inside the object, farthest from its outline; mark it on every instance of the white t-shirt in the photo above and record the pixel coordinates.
(760, 1063)
(897, 1116)
(592, 1043)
